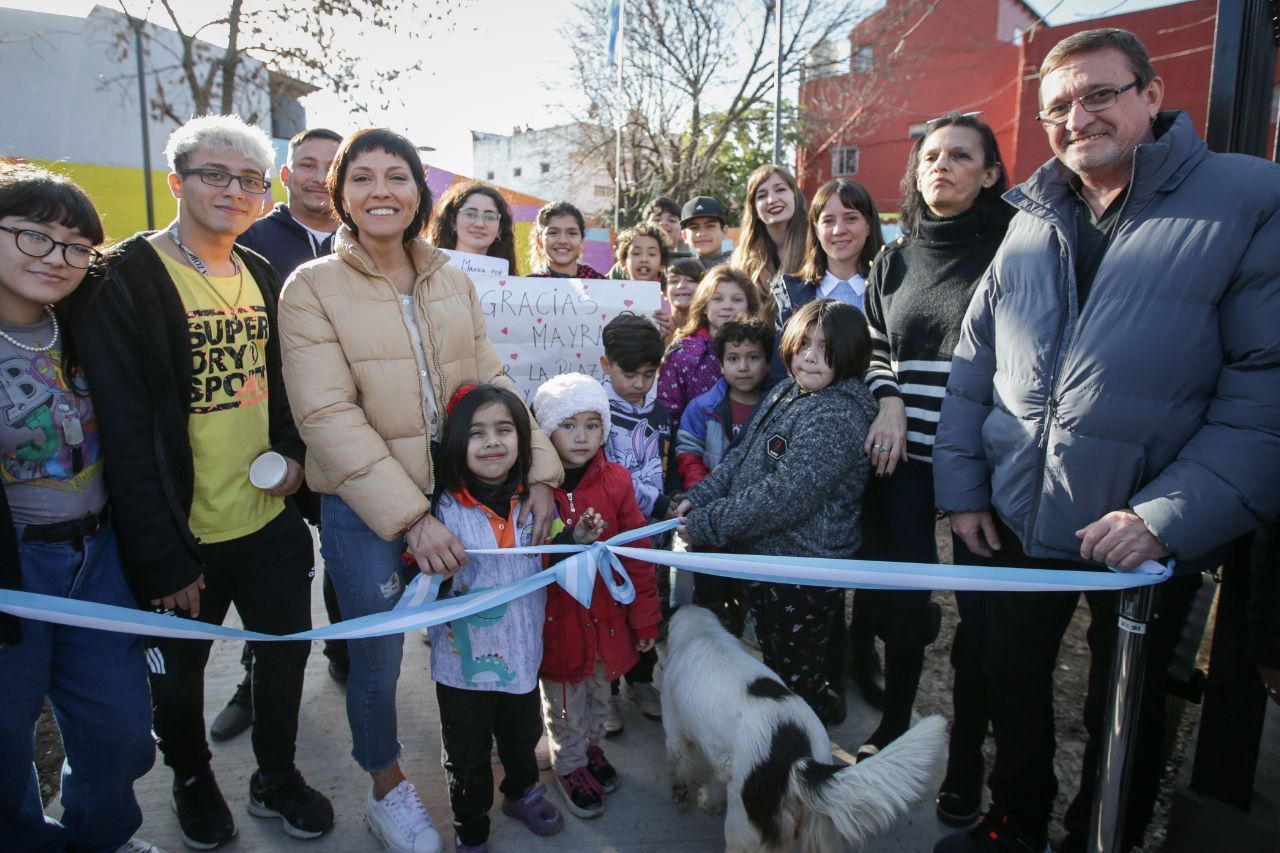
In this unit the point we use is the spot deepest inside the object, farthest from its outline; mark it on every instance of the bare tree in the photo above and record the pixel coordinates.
(308, 40)
(694, 71)
(843, 95)
(698, 84)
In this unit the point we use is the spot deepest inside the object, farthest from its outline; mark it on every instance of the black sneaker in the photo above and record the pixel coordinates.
(339, 671)
(236, 717)
(601, 770)
(993, 834)
(958, 807)
(305, 812)
(203, 815)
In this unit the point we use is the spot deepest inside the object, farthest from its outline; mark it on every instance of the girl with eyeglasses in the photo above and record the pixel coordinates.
(56, 539)
(474, 217)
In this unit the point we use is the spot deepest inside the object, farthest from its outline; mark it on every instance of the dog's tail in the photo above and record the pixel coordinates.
(866, 798)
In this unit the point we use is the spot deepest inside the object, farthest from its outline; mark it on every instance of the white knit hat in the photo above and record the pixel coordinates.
(564, 396)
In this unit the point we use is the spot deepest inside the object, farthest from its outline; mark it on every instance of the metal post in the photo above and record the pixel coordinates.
(1124, 699)
(777, 85)
(1242, 76)
(621, 119)
(136, 25)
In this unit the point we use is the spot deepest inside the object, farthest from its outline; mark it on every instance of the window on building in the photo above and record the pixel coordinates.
(862, 58)
(516, 171)
(917, 130)
(827, 59)
(844, 161)
(488, 176)
(604, 191)
(545, 167)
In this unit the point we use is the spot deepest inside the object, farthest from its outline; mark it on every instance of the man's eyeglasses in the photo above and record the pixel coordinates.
(470, 214)
(1094, 102)
(39, 245)
(219, 178)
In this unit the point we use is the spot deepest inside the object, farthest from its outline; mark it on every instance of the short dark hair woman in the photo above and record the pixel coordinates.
(377, 338)
(919, 289)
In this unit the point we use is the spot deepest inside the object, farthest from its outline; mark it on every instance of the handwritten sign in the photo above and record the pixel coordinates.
(543, 327)
(474, 265)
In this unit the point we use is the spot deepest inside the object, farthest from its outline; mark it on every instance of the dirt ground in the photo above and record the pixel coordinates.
(934, 698)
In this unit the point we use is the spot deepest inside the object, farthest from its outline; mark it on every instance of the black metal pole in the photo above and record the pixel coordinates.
(1124, 701)
(136, 25)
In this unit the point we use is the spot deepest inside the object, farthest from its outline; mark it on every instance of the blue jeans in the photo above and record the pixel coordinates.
(369, 577)
(96, 682)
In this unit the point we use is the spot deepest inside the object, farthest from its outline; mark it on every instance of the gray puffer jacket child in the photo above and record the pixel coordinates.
(793, 485)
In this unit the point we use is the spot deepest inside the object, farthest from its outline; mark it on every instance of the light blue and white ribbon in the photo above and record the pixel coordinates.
(419, 608)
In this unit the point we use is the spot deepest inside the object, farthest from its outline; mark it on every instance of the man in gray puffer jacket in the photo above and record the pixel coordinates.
(1115, 397)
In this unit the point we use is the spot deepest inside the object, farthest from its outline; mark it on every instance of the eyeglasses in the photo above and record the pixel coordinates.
(219, 178)
(470, 214)
(39, 245)
(1094, 102)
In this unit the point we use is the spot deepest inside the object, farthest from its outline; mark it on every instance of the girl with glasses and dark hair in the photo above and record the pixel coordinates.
(474, 217)
(56, 539)
(377, 338)
(953, 221)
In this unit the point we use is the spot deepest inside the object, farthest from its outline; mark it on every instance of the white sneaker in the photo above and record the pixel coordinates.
(425, 634)
(646, 696)
(542, 752)
(613, 717)
(400, 822)
(137, 845)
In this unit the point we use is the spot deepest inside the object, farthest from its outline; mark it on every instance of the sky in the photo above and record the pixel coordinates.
(502, 64)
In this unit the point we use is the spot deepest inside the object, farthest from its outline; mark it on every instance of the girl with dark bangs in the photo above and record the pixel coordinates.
(56, 539)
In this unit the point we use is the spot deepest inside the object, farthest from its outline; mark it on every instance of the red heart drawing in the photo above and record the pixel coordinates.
(514, 356)
(538, 320)
(604, 316)
(578, 354)
(502, 282)
(627, 302)
(503, 330)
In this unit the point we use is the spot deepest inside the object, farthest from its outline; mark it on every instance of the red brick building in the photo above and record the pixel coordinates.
(915, 60)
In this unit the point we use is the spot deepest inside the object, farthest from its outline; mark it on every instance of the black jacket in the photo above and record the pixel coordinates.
(132, 338)
(283, 241)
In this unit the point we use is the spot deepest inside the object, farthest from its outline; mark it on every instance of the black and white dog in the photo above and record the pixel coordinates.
(732, 724)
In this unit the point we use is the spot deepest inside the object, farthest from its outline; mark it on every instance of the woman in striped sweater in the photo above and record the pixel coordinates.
(919, 289)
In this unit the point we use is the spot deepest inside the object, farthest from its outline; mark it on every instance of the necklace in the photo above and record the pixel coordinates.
(194, 260)
(52, 341)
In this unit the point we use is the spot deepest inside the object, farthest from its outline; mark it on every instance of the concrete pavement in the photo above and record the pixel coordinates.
(639, 816)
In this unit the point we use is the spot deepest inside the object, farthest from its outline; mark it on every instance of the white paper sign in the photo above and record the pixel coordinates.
(543, 327)
(474, 265)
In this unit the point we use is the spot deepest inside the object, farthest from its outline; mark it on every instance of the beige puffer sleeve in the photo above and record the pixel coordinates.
(546, 467)
(350, 454)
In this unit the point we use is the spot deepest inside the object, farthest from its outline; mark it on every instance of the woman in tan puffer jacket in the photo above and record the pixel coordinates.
(376, 339)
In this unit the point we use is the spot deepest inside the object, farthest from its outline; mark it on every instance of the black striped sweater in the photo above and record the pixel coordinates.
(917, 295)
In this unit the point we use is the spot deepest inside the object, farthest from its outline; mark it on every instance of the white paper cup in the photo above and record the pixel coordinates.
(268, 471)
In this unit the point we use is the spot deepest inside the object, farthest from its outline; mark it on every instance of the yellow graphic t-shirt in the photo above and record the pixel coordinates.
(229, 424)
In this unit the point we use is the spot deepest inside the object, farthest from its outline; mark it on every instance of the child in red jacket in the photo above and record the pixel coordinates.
(585, 649)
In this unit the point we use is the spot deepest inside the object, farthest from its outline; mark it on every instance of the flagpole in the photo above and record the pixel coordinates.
(618, 120)
(777, 86)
